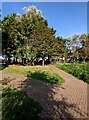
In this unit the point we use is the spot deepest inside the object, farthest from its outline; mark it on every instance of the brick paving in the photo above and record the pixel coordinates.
(75, 93)
(60, 102)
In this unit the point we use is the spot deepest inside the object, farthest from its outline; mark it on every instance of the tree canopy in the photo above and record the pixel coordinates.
(28, 37)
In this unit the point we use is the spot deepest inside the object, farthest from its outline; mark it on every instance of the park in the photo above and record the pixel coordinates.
(44, 76)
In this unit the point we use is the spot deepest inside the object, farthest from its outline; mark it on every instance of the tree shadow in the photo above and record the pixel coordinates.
(54, 107)
(45, 93)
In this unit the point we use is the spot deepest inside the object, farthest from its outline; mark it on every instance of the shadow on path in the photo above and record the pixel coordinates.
(55, 106)
(45, 94)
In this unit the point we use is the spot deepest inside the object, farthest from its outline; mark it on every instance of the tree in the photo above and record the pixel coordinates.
(85, 47)
(28, 37)
(43, 40)
(17, 30)
(62, 50)
(11, 34)
(8, 34)
(74, 45)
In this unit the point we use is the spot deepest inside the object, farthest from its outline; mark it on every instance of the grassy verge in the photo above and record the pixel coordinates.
(80, 71)
(36, 72)
(17, 106)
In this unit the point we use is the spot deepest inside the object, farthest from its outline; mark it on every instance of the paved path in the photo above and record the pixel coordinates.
(61, 102)
(75, 92)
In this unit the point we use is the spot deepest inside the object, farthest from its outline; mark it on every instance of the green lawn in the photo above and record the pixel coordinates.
(80, 71)
(42, 73)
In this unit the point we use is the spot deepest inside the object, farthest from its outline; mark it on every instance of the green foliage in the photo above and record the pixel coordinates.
(10, 34)
(28, 35)
(43, 39)
(17, 106)
(78, 70)
(47, 76)
(2, 67)
(62, 50)
(78, 47)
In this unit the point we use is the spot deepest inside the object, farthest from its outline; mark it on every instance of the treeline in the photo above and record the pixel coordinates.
(78, 47)
(29, 39)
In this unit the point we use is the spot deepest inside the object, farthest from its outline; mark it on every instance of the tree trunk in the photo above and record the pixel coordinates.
(84, 60)
(22, 60)
(16, 60)
(57, 59)
(42, 62)
(32, 63)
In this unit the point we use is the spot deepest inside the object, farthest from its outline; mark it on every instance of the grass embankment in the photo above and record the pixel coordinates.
(17, 106)
(80, 71)
(42, 73)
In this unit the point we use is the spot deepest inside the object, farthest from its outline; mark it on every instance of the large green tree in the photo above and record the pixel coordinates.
(28, 36)
(62, 50)
(43, 40)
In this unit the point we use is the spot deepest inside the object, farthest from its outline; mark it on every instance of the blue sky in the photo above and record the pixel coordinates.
(67, 18)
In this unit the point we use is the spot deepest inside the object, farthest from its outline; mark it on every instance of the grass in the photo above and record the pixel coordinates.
(37, 72)
(24, 69)
(80, 71)
(17, 106)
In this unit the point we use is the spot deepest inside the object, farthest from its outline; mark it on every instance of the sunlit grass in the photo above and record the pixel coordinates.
(24, 69)
(42, 73)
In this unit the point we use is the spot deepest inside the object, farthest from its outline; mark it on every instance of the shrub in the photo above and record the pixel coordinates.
(80, 71)
(47, 76)
(17, 106)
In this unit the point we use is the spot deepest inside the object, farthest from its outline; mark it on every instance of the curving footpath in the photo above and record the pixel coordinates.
(60, 102)
(75, 92)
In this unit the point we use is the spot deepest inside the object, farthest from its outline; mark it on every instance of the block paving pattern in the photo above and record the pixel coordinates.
(60, 102)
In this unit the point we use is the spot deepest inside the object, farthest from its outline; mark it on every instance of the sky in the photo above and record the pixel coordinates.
(67, 18)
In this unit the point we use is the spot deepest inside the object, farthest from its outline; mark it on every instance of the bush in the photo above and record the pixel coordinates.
(80, 71)
(47, 76)
(17, 106)
(2, 66)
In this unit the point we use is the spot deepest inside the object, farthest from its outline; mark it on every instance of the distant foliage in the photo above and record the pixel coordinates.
(78, 47)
